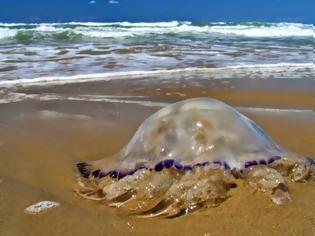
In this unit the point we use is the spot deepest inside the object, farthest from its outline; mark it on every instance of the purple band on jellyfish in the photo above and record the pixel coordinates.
(262, 162)
(159, 166)
(113, 174)
(83, 170)
(226, 166)
(169, 163)
(198, 165)
(187, 167)
(206, 163)
(102, 174)
(250, 163)
(217, 163)
(121, 175)
(178, 165)
(96, 173)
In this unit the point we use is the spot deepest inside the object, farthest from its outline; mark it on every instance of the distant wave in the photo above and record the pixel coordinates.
(215, 73)
(91, 30)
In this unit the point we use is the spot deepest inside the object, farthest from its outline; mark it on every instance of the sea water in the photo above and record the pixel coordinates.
(73, 51)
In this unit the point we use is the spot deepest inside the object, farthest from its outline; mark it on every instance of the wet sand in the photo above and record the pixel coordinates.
(41, 140)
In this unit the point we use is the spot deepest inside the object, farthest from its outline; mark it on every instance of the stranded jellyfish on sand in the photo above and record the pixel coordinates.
(187, 156)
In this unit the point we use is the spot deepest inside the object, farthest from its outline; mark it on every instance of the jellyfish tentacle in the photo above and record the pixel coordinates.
(124, 185)
(88, 190)
(300, 172)
(197, 188)
(147, 193)
(166, 207)
(297, 169)
(267, 179)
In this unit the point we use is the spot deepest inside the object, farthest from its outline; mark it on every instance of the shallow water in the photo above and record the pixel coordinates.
(41, 140)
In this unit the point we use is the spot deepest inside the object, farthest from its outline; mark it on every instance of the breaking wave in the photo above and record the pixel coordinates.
(92, 30)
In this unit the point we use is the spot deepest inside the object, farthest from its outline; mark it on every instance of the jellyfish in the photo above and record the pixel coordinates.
(187, 156)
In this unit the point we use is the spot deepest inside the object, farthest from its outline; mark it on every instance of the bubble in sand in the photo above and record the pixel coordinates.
(41, 206)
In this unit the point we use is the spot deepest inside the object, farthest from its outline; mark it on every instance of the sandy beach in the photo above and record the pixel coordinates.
(45, 133)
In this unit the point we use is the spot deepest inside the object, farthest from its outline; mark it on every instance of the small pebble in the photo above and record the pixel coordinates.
(40, 207)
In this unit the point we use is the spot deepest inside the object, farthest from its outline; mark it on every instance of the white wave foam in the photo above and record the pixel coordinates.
(127, 24)
(230, 70)
(275, 110)
(277, 65)
(276, 30)
(18, 97)
(153, 24)
(48, 28)
(49, 114)
(7, 33)
(127, 29)
(140, 29)
(298, 114)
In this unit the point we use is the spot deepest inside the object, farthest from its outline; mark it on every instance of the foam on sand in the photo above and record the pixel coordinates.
(216, 73)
